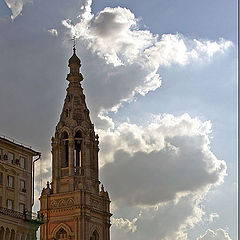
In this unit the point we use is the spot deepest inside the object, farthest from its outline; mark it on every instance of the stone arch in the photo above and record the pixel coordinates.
(61, 227)
(67, 130)
(95, 235)
(78, 129)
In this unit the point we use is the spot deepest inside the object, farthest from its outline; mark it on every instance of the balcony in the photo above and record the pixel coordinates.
(26, 216)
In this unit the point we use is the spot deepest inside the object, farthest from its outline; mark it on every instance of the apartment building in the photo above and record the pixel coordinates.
(17, 222)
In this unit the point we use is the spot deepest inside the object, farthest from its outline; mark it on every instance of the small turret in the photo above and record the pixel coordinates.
(74, 63)
(74, 60)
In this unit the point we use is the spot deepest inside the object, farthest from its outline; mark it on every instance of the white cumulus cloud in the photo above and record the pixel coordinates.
(125, 224)
(158, 163)
(16, 6)
(219, 234)
(134, 53)
(165, 169)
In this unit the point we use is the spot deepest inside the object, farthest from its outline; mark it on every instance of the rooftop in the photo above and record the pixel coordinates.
(18, 144)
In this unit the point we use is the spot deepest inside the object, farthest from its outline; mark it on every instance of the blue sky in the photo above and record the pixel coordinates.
(145, 60)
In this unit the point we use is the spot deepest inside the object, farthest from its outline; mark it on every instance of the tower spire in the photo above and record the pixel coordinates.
(72, 204)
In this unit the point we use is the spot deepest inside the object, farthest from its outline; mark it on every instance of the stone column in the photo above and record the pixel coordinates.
(76, 228)
(55, 166)
(70, 157)
(87, 158)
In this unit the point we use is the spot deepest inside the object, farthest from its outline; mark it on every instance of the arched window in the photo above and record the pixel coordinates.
(78, 149)
(94, 236)
(67, 113)
(64, 150)
(12, 237)
(61, 234)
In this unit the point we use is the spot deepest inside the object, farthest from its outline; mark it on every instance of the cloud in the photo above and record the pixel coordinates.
(116, 35)
(165, 169)
(132, 54)
(125, 224)
(168, 221)
(219, 234)
(212, 216)
(150, 158)
(152, 165)
(53, 31)
(16, 6)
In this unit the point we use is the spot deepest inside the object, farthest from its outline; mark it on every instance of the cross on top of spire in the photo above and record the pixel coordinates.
(74, 43)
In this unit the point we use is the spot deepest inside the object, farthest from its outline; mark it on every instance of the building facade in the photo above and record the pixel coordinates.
(72, 205)
(16, 219)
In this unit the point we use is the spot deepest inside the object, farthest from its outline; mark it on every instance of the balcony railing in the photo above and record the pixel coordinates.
(64, 172)
(78, 171)
(26, 216)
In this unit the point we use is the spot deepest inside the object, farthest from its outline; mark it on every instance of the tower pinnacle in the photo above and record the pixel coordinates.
(72, 204)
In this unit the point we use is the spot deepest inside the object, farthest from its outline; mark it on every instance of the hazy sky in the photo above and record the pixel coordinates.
(160, 82)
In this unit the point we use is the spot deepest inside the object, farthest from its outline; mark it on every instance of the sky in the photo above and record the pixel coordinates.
(160, 79)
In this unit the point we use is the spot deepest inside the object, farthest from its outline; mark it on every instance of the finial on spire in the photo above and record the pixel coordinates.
(74, 44)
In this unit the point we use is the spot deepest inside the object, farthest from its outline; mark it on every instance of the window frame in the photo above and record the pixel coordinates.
(20, 185)
(24, 162)
(8, 181)
(24, 206)
(8, 201)
(11, 160)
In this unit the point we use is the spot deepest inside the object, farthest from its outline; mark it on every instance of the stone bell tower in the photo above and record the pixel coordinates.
(72, 205)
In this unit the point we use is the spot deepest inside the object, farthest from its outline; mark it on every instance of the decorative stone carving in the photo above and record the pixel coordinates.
(95, 203)
(63, 202)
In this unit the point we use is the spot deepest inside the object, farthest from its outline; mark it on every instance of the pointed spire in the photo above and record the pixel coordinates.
(74, 44)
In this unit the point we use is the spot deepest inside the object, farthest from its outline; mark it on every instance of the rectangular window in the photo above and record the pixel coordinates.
(22, 186)
(1, 178)
(1, 154)
(11, 157)
(21, 207)
(22, 161)
(10, 204)
(10, 180)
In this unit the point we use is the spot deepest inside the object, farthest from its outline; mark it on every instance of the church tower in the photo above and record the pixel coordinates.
(72, 205)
